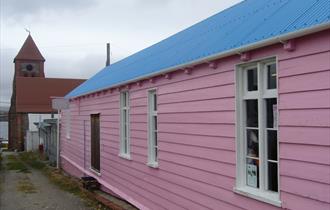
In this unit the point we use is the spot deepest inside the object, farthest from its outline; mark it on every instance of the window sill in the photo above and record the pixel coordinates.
(267, 197)
(125, 156)
(95, 171)
(153, 164)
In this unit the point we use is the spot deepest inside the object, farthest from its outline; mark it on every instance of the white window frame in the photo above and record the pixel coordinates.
(152, 145)
(262, 93)
(124, 150)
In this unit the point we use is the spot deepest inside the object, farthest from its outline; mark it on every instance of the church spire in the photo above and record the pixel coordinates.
(29, 51)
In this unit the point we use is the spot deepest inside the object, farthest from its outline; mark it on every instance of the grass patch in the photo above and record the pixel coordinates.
(11, 157)
(64, 182)
(72, 185)
(25, 185)
(0, 161)
(24, 170)
(55, 176)
(0, 172)
(14, 164)
(4, 146)
(32, 159)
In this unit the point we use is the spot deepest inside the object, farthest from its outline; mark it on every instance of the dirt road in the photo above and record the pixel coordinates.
(24, 188)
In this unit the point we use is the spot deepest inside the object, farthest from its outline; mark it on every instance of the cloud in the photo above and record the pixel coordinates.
(66, 67)
(18, 9)
(6, 76)
(147, 4)
(71, 34)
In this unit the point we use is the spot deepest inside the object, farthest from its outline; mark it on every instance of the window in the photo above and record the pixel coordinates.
(257, 143)
(152, 129)
(67, 114)
(95, 142)
(124, 125)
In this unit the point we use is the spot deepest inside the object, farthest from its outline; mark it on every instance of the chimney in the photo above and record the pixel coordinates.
(108, 55)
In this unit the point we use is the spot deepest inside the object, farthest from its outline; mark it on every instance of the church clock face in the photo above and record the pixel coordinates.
(29, 67)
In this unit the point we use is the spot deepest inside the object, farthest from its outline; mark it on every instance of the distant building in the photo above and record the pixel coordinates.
(4, 130)
(4, 124)
(32, 91)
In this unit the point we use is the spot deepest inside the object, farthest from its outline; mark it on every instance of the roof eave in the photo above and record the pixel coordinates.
(29, 59)
(249, 47)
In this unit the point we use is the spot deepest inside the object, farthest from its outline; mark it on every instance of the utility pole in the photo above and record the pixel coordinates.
(108, 55)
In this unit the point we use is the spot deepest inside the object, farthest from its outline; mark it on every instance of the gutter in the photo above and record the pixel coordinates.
(249, 47)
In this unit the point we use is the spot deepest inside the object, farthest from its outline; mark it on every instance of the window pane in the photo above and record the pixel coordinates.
(155, 146)
(272, 145)
(252, 143)
(272, 177)
(252, 77)
(154, 122)
(125, 145)
(125, 131)
(156, 139)
(124, 101)
(127, 99)
(252, 173)
(271, 113)
(155, 101)
(252, 113)
(156, 154)
(271, 76)
(124, 117)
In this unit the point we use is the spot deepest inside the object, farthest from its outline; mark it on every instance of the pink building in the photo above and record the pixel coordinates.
(231, 113)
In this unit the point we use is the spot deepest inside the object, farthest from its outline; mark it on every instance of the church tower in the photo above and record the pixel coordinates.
(32, 92)
(28, 63)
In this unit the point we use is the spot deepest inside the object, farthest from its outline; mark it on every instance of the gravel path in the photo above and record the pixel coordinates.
(33, 191)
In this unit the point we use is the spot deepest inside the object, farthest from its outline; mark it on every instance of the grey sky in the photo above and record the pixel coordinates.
(71, 34)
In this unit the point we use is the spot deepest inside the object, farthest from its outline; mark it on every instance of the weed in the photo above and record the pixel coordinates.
(56, 177)
(71, 185)
(0, 171)
(16, 165)
(11, 157)
(63, 182)
(24, 170)
(4, 146)
(32, 159)
(0, 161)
(25, 185)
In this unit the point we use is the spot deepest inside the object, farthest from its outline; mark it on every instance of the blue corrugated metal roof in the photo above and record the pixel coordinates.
(246, 23)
